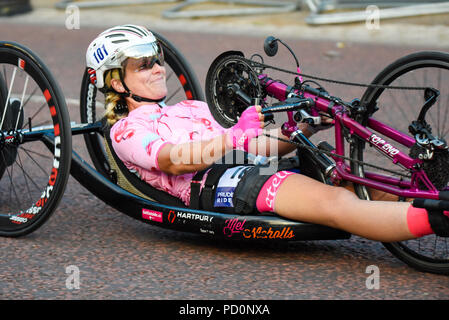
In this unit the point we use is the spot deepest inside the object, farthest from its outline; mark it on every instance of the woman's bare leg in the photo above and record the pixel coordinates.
(304, 199)
(376, 195)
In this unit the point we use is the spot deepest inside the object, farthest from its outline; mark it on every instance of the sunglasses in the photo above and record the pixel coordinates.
(149, 62)
(147, 55)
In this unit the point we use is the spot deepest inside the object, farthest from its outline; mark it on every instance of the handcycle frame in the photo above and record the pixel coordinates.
(322, 102)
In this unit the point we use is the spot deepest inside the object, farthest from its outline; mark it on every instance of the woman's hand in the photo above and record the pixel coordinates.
(248, 127)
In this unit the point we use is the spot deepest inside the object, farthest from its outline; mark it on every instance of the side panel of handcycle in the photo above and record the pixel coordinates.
(217, 225)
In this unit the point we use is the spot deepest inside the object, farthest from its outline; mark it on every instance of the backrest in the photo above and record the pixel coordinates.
(132, 183)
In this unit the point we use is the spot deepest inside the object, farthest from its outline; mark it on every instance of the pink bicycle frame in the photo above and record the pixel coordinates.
(396, 186)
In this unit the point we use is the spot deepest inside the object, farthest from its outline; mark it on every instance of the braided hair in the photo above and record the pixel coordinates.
(115, 104)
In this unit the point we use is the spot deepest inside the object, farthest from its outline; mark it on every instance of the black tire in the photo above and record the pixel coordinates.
(35, 172)
(182, 84)
(3, 96)
(430, 253)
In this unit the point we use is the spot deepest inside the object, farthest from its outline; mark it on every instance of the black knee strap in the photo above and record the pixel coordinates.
(247, 191)
(439, 223)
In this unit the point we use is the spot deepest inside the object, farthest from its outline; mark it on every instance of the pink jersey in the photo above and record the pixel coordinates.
(138, 138)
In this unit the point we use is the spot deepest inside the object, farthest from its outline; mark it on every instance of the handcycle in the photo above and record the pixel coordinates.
(34, 115)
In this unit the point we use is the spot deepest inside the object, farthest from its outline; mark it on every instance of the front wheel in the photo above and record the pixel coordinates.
(398, 108)
(35, 141)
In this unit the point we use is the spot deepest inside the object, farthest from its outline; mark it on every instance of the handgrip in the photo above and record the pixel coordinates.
(268, 116)
(431, 204)
(291, 104)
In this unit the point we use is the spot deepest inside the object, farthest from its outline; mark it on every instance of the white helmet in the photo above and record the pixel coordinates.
(115, 45)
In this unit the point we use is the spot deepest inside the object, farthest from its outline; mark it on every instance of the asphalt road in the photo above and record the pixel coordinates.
(121, 258)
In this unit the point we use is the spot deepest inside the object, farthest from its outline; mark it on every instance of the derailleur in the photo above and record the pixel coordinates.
(425, 140)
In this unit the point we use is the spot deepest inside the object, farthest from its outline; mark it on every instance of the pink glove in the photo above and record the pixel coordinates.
(247, 127)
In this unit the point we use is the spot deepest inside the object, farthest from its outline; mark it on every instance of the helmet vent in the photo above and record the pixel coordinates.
(114, 35)
(120, 41)
(137, 30)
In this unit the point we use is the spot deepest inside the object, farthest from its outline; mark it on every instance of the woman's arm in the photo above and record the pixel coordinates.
(191, 156)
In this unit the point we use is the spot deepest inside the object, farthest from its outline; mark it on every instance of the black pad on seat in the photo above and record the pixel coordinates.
(132, 183)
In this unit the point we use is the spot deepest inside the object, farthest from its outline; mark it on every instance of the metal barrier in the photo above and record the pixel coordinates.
(390, 9)
(99, 4)
(263, 7)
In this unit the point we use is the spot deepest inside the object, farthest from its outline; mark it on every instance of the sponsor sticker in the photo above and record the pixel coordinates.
(152, 215)
(233, 226)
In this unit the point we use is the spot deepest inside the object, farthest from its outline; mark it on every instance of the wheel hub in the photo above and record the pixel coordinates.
(11, 138)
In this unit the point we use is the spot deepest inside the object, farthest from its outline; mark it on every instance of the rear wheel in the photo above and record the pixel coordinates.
(398, 108)
(35, 141)
(182, 84)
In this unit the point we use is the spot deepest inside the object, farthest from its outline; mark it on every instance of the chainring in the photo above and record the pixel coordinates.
(229, 71)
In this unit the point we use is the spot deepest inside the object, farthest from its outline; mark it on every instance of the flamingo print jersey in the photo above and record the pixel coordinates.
(138, 138)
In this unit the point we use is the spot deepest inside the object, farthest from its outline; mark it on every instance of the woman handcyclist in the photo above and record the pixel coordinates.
(168, 146)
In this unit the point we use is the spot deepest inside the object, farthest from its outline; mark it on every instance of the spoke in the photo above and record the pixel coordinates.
(396, 103)
(39, 110)
(12, 189)
(21, 105)
(443, 130)
(36, 153)
(23, 172)
(30, 96)
(9, 95)
(447, 252)
(30, 178)
(43, 170)
(439, 104)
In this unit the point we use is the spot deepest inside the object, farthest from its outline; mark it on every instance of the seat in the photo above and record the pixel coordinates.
(132, 183)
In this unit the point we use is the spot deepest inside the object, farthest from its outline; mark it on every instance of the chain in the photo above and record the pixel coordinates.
(379, 86)
(315, 149)
(333, 155)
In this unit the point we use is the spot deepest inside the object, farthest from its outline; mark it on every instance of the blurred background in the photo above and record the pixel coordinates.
(406, 21)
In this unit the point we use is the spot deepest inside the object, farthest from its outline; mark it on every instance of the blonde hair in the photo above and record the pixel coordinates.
(112, 98)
